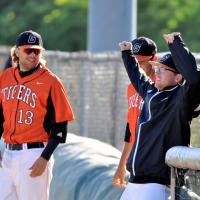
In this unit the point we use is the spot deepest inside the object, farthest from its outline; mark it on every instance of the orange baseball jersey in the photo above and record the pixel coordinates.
(135, 103)
(28, 102)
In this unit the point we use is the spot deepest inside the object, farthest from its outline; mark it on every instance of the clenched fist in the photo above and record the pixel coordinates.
(124, 45)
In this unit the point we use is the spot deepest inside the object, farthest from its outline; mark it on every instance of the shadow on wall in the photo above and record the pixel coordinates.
(84, 169)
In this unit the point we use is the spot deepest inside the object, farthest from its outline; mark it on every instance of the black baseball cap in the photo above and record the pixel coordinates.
(30, 39)
(144, 49)
(167, 62)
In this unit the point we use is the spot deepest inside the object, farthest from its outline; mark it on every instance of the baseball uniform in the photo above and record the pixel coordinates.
(33, 107)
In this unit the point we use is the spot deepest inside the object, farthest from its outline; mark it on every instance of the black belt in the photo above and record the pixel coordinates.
(25, 146)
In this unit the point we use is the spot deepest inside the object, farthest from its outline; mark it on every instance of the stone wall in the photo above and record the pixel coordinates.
(96, 86)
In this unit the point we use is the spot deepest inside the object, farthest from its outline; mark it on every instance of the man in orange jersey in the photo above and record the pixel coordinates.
(144, 50)
(34, 112)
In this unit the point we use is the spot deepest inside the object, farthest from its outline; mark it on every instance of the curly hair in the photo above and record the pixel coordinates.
(15, 59)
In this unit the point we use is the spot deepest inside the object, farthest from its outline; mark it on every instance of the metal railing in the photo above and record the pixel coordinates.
(186, 158)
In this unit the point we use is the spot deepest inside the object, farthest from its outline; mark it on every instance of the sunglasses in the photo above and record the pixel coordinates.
(161, 70)
(35, 51)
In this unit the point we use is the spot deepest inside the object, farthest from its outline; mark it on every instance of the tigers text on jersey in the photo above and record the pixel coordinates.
(25, 104)
(135, 103)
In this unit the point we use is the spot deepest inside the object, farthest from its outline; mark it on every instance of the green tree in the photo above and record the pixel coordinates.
(156, 17)
(62, 23)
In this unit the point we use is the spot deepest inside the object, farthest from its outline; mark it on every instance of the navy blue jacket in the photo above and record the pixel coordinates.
(165, 117)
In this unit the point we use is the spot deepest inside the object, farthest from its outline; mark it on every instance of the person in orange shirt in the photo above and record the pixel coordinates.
(34, 113)
(144, 50)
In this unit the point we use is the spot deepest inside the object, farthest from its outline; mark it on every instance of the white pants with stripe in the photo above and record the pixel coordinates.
(15, 180)
(148, 191)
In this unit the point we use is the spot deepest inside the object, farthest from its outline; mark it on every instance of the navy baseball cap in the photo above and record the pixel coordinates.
(144, 49)
(167, 62)
(30, 39)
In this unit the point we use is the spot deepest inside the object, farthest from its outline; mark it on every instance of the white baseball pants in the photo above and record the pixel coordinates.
(15, 181)
(148, 191)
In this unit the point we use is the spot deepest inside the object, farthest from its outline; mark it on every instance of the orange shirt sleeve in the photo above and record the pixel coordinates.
(134, 107)
(63, 109)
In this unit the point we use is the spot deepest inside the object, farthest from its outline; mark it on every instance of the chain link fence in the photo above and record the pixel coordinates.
(96, 86)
